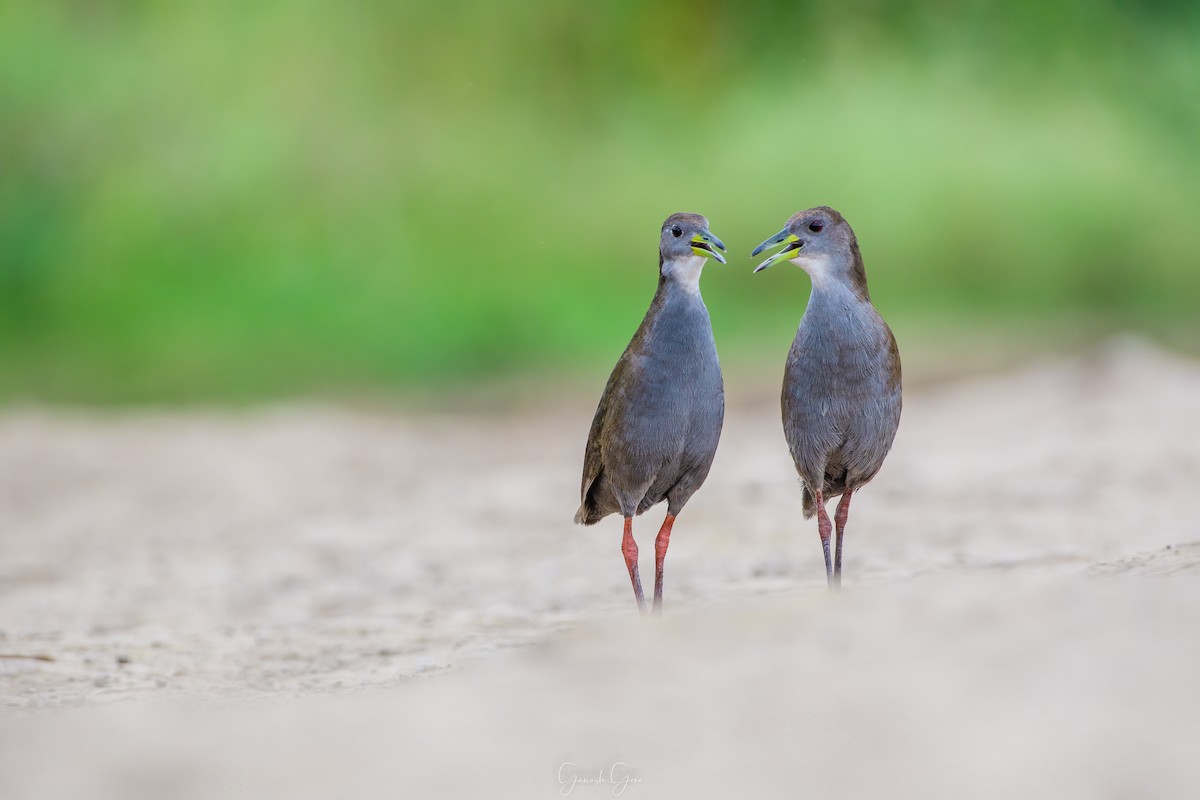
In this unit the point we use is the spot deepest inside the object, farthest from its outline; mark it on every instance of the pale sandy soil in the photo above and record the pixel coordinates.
(311, 602)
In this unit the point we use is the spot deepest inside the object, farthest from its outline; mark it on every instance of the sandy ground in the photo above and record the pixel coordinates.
(312, 602)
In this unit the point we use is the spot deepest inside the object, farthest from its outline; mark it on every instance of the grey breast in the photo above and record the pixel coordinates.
(841, 395)
(661, 416)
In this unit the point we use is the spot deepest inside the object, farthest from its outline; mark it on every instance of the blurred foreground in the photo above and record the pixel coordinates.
(1019, 613)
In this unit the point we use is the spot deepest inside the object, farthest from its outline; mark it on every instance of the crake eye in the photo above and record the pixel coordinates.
(815, 227)
(676, 232)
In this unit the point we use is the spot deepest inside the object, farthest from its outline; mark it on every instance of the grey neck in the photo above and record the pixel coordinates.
(835, 280)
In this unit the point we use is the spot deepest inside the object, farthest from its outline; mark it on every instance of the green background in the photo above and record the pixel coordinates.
(237, 201)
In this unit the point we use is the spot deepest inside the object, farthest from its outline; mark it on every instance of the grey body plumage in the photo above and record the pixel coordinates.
(841, 393)
(841, 397)
(657, 425)
(656, 428)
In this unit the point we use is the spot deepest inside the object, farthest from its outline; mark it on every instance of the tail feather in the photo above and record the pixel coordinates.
(587, 513)
(810, 503)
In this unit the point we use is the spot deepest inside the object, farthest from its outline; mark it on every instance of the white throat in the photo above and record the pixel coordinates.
(685, 271)
(818, 268)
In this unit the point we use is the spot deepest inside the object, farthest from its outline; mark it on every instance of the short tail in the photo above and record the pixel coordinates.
(810, 504)
(587, 514)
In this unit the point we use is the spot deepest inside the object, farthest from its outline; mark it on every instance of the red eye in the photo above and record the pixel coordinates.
(815, 227)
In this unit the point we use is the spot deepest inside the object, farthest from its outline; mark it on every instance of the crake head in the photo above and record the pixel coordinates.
(686, 236)
(816, 239)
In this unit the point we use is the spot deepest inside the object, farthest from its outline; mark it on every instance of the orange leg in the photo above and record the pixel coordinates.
(839, 519)
(630, 551)
(660, 553)
(826, 530)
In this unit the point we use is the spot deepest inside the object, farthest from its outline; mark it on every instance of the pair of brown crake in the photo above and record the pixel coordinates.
(659, 420)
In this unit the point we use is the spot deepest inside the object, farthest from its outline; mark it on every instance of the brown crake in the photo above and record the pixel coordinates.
(658, 422)
(841, 387)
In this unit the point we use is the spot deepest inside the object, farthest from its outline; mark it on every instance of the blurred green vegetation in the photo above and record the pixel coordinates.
(243, 200)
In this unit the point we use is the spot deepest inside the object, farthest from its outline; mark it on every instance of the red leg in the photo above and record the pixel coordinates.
(630, 551)
(660, 553)
(826, 530)
(839, 519)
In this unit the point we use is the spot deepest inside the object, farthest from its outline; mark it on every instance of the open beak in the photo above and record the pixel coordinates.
(790, 241)
(705, 244)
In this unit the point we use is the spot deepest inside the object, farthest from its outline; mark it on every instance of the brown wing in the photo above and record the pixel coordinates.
(593, 459)
(593, 463)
